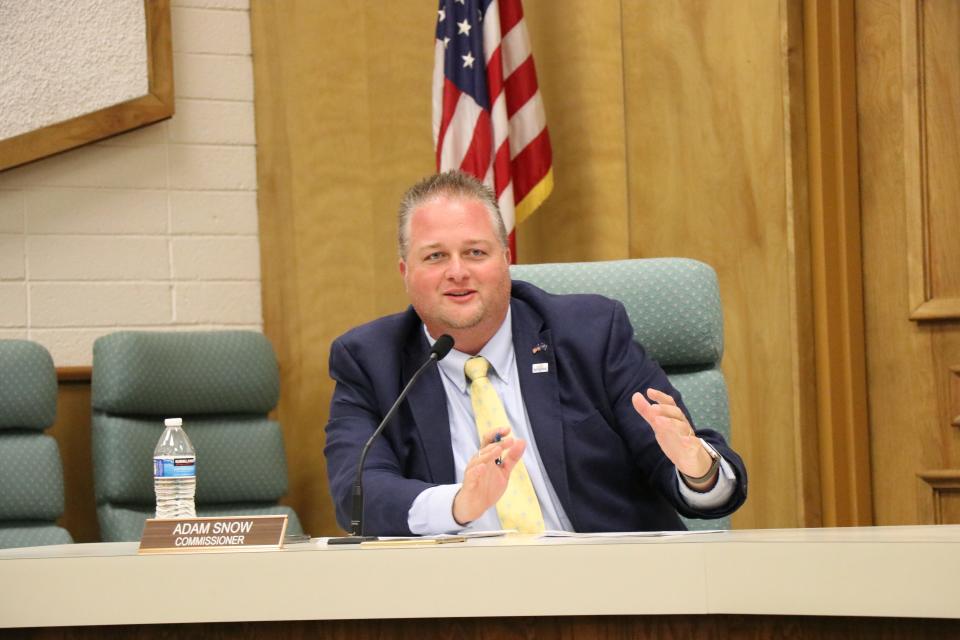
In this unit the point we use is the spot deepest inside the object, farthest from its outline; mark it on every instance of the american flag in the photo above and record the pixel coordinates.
(488, 117)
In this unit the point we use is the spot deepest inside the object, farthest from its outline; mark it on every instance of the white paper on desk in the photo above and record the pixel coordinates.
(623, 534)
(492, 533)
(465, 534)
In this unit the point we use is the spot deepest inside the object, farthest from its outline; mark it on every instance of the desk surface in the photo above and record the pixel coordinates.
(874, 571)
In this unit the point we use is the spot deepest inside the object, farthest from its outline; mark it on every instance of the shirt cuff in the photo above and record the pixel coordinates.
(715, 497)
(432, 511)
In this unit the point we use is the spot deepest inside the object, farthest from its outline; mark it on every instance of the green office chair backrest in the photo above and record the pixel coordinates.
(31, 475)
(223, 384)
(674, 306)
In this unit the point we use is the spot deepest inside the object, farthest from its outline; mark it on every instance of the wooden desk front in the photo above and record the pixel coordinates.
(881, 572)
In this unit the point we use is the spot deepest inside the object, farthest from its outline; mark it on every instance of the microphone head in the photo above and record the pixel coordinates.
(441, 347)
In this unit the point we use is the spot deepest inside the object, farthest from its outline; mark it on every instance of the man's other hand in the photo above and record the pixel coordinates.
(484, 479)
(673, 432)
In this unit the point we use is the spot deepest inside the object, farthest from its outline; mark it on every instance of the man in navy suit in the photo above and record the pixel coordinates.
(604, 437)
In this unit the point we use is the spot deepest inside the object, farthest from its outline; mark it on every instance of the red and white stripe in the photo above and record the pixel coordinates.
(508, 147)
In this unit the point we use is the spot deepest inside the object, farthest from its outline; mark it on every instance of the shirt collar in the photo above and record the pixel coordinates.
(498, 351)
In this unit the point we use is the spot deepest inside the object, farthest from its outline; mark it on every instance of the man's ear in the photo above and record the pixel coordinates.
(402, 265)
(506, 254)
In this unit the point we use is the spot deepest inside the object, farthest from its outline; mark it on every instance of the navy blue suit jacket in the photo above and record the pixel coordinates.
(602, 458)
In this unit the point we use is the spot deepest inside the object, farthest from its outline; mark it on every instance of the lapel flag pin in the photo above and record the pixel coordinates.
(540, 347)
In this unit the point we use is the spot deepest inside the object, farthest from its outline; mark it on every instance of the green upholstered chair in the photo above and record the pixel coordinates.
(674, 306)
(31, 475)
(223, 384)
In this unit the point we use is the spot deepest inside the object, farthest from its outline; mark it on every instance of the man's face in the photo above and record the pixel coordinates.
(456, 271)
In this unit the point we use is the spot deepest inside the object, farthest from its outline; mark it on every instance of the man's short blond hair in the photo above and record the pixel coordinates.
(452, 184)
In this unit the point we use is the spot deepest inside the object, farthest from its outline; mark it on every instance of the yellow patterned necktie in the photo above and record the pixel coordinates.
(518, 507)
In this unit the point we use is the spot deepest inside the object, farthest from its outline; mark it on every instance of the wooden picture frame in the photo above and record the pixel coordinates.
(156, 105)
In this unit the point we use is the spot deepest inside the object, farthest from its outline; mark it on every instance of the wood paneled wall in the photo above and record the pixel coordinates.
(578, 51)
(674, 133)
(709, 155)
(908, 85)
(340, 103)
(835, 262)
(72, 433)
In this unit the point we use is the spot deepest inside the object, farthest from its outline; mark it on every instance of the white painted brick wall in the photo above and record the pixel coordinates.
(210, 31)
(202, 212)
(213, 77)
(212, 167)
(155, 229)
(67, 258)
(219, 302)
(109, 167)
(213, 4)
(97, 211)
(213, 122)
(102, 304)
(216, 258)
(13, 305)
(11, 212)
(11, 257)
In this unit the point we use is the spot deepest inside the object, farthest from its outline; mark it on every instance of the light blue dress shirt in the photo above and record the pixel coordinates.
(432, 511)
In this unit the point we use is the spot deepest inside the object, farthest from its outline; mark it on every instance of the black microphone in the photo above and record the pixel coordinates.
(439, 350)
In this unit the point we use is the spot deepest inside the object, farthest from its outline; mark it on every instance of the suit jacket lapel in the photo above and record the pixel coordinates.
(428, 403)
(541, 394)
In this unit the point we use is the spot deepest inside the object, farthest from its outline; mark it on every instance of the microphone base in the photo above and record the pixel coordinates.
(351, 539)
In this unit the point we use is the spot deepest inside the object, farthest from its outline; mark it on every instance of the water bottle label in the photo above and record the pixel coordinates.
(174, 468)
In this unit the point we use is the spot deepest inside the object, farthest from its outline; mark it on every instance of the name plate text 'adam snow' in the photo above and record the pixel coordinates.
(236, 533)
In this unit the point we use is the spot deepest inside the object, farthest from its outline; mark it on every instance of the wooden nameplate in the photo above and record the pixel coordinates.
(232, 533)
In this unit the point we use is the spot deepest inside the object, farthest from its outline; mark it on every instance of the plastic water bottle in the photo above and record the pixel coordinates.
(175, 472)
